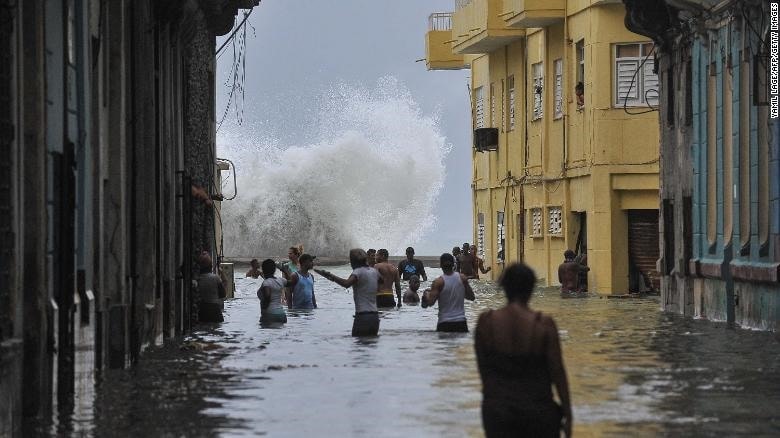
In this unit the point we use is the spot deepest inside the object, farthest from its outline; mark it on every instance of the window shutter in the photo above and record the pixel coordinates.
(624, 72)
(479, 108)
(650, 84)
(558, 88)
(538, 89)
(493, 123)
(511, 109)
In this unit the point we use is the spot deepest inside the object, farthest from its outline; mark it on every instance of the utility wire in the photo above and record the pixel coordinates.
(233, 34)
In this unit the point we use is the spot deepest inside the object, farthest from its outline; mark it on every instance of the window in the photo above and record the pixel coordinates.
(558, 67)
(538, 76)
(580, 49)
(511, 102)
(500, 236)
(556, 220)
(635, 86)
(479, 108)
(536, 222)
(493, 105)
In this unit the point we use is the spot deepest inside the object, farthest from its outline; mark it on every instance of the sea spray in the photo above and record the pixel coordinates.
(371, 178)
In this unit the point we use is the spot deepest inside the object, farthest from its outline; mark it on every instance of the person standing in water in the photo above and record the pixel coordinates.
(364, 281)
(289, 267)
(270, 294)
(211, 291)
(569, 273)
(254, 269)
(456, 256)
(479, 264)
(466, 263)
(519, 359)
(410, 296)
(301, 285)
(390, 277)
(449, 290)
(411, 266)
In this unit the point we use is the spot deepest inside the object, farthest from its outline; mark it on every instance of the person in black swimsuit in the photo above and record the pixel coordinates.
(519, 359)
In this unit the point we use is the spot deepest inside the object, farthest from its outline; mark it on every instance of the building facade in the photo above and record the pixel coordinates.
(720, 213)
(564, 105)
(106, 132)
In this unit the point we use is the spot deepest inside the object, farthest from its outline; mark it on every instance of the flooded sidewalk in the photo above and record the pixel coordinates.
(633, 371)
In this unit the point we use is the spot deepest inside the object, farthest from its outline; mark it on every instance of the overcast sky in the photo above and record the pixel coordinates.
(296, 49)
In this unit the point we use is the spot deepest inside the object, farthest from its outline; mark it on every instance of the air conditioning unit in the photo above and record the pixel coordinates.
(486, 139)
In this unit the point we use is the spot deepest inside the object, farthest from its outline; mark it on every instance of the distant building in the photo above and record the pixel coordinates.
(565, 135)
(720, 167)
(106, 131)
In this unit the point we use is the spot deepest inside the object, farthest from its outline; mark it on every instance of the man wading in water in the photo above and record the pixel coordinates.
(569, 273)
(364, 282)
(450, 290)
(411, 266)
(390, 277)
(301, 285)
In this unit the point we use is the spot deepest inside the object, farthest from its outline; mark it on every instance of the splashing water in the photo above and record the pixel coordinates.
(371, 178)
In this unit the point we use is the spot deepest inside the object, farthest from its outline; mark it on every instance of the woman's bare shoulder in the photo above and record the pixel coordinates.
(547, 322)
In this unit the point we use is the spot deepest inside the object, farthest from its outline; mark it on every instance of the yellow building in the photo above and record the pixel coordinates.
(551, 170)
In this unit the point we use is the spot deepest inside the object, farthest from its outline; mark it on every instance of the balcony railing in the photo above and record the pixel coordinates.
(440, 21)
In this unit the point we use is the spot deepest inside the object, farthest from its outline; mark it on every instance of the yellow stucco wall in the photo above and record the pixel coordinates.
(597, 160)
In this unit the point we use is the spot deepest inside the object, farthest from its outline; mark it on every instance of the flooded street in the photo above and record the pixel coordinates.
(632, 370)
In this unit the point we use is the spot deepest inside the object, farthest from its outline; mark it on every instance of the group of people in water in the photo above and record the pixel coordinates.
(375, 284)
(518, 350)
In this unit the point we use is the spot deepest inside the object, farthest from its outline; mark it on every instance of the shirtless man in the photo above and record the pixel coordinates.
(568, 273)
(410, 296)
(254, 269)
(466, 262)
(371, 254)
(479, 264)
(390, 276)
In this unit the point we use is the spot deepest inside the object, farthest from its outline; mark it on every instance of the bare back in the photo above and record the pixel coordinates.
(466, 264)
(515, 330)
(568, 275)
(389, 274)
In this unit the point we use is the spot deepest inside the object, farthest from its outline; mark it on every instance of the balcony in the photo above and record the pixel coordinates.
(438, 44)
(478, 27)
(533, 13)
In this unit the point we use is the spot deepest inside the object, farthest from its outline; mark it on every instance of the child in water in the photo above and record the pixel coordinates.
(410, 296)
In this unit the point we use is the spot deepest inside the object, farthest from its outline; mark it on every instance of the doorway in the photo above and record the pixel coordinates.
(643, 251)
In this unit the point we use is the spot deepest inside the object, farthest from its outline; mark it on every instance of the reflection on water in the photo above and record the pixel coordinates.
(633, 371)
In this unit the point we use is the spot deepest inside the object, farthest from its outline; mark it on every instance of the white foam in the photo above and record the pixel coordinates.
(371, 178)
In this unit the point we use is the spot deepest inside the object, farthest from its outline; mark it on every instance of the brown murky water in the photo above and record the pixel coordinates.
(633, 371)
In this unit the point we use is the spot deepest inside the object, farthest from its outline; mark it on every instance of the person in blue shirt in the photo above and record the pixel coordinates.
(411, 266)
(301, 284)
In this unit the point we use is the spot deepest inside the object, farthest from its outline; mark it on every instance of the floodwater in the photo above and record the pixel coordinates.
(633, 371)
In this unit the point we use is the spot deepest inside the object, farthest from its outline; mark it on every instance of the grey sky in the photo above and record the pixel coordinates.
(301, 48)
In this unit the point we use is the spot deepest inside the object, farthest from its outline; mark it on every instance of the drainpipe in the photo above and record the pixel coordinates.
(566, 87)
(525, 103)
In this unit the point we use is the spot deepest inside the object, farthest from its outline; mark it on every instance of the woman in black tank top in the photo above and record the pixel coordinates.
(519, 359)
